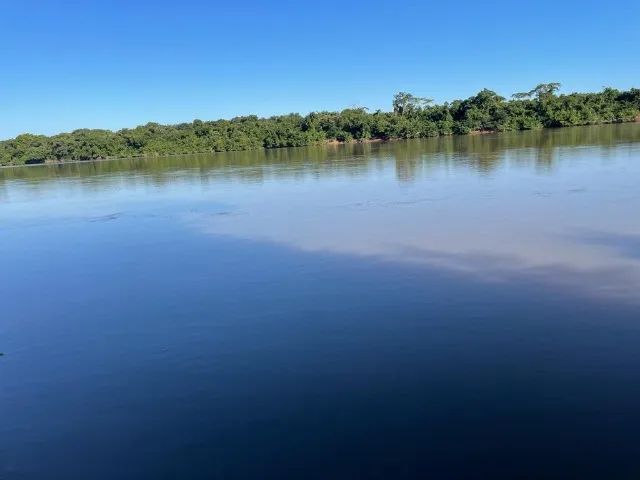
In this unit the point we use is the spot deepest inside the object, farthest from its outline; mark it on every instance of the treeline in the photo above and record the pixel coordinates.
(412, 117)
(411, 158)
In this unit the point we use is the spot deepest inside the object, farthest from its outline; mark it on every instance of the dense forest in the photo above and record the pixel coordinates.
(411, 117)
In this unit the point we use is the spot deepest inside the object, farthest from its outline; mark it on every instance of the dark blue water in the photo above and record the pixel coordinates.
(389, 311)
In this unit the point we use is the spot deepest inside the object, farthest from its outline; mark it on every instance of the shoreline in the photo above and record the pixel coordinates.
(482, 114)
(328, 143)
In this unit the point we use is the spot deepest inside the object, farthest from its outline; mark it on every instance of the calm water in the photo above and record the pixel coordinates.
(465, 307)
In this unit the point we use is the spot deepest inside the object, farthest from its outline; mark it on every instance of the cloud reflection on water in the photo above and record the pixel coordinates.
(562, 201)
(515, 223)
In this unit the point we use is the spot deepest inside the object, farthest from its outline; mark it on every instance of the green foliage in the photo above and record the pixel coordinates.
(407, 104)
(412, 117)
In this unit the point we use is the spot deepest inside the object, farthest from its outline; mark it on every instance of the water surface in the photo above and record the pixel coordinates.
(462, 307)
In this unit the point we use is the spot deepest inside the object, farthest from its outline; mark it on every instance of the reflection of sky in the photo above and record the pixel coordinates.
(576, 219)
(580, 218)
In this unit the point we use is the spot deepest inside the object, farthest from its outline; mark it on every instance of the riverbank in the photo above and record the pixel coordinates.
(485, 112)
(588, 134)
(408, 155)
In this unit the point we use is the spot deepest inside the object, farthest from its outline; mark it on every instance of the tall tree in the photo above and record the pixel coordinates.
(405, 103)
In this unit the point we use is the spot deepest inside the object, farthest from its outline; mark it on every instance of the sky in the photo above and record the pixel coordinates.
(115, 64)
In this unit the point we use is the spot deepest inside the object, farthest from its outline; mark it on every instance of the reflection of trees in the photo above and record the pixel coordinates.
(483, 153)
(480, 153)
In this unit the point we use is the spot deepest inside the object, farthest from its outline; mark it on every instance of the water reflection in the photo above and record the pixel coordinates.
(445, 308)
(492, 205)
(481, 153)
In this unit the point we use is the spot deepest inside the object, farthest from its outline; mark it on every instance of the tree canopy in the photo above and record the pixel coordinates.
(411, 117)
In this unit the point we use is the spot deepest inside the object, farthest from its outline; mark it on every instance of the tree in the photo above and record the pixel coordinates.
(405, 103)
(541, 90)
(411, 117)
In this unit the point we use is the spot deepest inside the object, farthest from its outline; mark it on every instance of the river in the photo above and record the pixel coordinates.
(460, 307)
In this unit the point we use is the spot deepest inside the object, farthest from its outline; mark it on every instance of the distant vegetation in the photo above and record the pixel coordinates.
(412, 117)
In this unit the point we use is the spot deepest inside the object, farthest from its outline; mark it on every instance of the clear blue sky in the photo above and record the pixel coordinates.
(114, 64)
